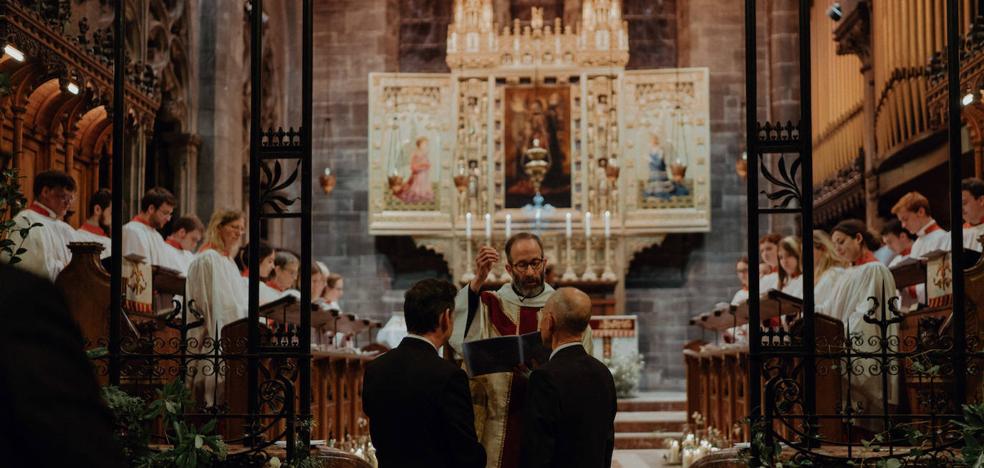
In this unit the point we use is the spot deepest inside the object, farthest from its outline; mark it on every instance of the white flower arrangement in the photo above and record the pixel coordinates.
(626, 370)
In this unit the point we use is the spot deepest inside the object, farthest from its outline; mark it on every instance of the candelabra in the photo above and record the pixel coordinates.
(589, 273)
(569, 274)
(609, 274)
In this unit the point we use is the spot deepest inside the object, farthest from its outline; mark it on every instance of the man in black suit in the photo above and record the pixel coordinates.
(569, 420)
(51, 412)
(419, 406)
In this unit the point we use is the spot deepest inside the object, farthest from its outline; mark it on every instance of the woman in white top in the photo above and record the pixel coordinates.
(828, 268)
(850, 302)
(217, 289)
(739, 334)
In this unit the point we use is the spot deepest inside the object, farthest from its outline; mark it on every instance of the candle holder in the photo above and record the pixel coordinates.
(608, 274)
(328, 181)
(589, 273)
(569, 274)
(469, 273)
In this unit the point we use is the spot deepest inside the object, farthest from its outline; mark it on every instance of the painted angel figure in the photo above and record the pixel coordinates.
(418, 187)
(659, 184)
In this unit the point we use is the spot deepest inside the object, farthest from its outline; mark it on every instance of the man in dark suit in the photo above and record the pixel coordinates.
(51, 412)
(569, 420)
(419, 406)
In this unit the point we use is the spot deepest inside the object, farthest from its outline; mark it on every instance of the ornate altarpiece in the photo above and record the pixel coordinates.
(633, 143)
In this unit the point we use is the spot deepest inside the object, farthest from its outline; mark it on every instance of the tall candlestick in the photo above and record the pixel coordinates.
(468, 225)
(569, 225)
(488, 227)
(508, 226)
(589, 273)
(608, 224)
(587, 224)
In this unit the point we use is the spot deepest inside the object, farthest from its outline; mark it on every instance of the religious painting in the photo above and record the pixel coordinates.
(537, 116)
(413, 170)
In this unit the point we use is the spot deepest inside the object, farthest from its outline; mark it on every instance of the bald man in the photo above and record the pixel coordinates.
(569, 420)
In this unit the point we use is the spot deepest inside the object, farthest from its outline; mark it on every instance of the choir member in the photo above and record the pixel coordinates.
(44, 251)
(972, 191)
(96, 228)
(849, 302)
(318, 282)
(141, 236)
(769, 254)
(741, 269)
(188, 232)
(828, 267)
(898, 239)
(790, 268)
(267, 255)
(333, 291)
(218, 292)
(914, 214)
(285, 271)
(739, 334)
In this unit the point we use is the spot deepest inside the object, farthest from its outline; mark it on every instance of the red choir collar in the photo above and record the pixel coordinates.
(141, 221)
(245, 273)
(92, 228)
(979, 222)
(933, 227)
(37, 207)
(273, 284)
(905, 252)
(868, 257)
(174, 243)
(773, 269)
(744, 288)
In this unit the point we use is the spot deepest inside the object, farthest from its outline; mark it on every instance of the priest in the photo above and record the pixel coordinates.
(514, 308)
(96, 227)
(44, 251)
(141, 236)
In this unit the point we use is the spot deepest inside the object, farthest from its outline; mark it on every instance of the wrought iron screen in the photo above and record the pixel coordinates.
(808, 380)
(274, 364)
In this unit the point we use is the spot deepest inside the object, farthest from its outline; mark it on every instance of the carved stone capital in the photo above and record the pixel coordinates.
(853, 34)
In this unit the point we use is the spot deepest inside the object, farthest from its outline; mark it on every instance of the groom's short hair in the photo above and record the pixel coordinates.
(518, 237)
(424, 303)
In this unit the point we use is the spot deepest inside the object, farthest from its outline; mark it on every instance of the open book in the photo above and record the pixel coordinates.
(504, 353)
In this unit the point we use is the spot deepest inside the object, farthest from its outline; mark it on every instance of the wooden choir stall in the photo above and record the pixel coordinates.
(717, 371)
(336, 371)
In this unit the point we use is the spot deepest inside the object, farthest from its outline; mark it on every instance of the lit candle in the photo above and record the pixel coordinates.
(608, 224)
(508, 225)
(488, 226)
(468, 225)
(587, 224)
(569, 224)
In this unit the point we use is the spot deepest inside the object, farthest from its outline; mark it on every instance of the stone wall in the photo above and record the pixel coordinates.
(352, 38)
(688, 273)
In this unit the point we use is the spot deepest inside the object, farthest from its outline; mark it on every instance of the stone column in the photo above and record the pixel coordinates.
(183, 157)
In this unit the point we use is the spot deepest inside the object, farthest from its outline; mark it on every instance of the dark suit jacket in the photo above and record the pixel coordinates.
(569, 420)
(420, 410)
(51, 410)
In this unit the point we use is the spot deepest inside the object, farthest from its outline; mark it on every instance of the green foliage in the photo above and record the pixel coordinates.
(12, 201)
(972, 429)
(191, 447)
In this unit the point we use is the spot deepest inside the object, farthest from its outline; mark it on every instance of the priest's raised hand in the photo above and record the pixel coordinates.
(486, 259)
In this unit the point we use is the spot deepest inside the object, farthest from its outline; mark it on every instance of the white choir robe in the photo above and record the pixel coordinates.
(86, 234)
(46, 246)
(180, 258)
(499, 313)
(767, 282)
(971, 237)
(849, 303)
(740, 333)
(794, 287)
(824, 285)
(143, 240)
(217, 289)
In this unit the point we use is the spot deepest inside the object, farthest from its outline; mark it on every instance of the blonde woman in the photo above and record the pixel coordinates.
(827, 267)
(218, 291)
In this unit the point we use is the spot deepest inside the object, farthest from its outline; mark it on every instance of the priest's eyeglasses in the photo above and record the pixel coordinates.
(534, 264)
